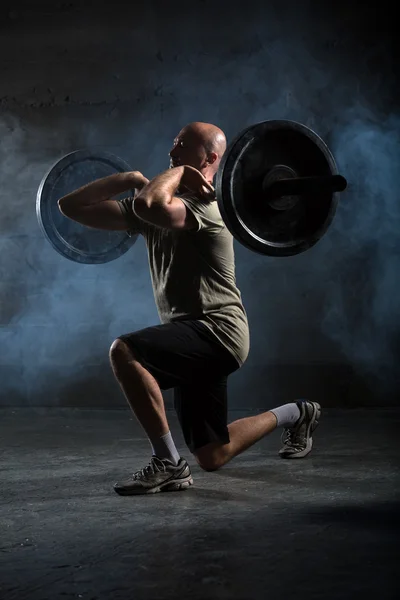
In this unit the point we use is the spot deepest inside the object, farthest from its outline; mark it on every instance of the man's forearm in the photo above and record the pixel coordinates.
(160, 190)
(104, 189)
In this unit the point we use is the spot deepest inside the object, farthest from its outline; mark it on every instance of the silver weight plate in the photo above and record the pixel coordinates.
(71, 239)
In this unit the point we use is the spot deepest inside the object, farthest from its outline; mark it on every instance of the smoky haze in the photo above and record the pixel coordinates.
(324, 323)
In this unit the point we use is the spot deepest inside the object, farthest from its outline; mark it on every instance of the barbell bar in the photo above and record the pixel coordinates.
(305, 185)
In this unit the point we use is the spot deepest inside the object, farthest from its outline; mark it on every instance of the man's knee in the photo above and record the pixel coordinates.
(120, 353)
(208, 457)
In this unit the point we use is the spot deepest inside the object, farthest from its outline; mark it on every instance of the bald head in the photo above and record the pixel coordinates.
(200, 145)
(211, 136)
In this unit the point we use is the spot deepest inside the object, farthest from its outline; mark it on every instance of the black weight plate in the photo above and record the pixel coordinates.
(71, 239)
(250, 219)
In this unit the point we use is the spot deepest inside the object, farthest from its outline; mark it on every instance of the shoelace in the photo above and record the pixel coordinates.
(292, 438)
(155, 466)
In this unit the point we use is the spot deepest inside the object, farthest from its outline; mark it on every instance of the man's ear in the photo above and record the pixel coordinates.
(212, 157)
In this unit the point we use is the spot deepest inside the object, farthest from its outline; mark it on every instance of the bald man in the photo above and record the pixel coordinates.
(204, 334)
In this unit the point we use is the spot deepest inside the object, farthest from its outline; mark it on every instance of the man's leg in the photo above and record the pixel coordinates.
(167, 471)
(243, 433)
(141, 390)
(202, 409)
(144, 396)
(299, 418)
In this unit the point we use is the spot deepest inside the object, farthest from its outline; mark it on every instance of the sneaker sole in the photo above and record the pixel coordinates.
(178, 485)
(312, 426)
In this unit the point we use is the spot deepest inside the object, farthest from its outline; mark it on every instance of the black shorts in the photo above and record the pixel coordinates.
(186, 356)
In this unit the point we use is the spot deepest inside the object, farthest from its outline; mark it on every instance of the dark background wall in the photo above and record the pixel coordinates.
(125, 79)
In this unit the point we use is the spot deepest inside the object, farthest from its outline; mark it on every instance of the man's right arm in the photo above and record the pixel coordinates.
(91, 205)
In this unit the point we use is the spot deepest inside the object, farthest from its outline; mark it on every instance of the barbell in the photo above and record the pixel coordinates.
(277, 190)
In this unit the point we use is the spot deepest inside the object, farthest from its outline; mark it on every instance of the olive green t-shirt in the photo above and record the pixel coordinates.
(193, 273)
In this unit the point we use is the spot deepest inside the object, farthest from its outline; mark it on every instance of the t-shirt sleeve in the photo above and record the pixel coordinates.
(135, 224)
(207, 215)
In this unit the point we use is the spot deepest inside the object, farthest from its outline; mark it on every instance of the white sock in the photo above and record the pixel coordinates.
(164, 447)
(287, 415)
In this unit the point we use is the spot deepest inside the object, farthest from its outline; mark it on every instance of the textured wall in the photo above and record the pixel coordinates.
(77, 74)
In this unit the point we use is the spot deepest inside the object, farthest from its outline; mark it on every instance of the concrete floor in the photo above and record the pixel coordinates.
(261, 528)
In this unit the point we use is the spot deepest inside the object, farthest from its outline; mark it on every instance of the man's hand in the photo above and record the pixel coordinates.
(193, 180)
(139, 180)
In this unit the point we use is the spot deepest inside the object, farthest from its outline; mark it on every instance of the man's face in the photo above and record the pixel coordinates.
(188, 150)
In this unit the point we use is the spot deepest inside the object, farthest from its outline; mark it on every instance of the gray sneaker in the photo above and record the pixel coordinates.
(297, 441)
(161, 475)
